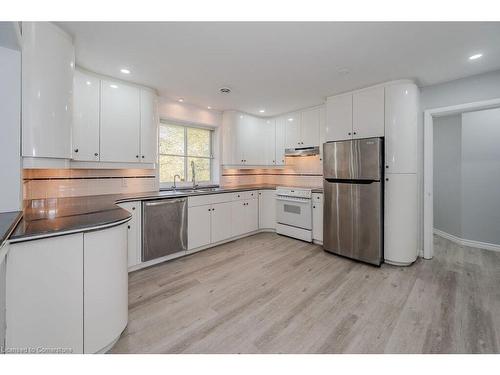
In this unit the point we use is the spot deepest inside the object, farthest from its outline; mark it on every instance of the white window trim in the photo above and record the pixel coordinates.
(185, 125)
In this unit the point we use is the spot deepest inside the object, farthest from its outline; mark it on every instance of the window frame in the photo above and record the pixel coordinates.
(186, 156)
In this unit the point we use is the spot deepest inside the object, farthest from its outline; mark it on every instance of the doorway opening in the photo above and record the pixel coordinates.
(462, 175)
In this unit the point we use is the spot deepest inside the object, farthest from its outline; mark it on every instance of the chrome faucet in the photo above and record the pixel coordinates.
(193, 170)
(175, 185)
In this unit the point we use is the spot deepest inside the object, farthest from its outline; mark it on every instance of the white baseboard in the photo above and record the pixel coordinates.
(466, 242)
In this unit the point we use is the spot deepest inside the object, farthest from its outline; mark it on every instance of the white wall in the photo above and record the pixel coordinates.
(481, 176)
(2, 304)
(10, 130)
(173, 110)
(448, 174)
(466, 90)
(467, 175)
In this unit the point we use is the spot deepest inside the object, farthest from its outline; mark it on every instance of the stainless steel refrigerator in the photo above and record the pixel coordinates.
(353, 199)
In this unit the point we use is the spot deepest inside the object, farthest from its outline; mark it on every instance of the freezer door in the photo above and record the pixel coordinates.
(353, 220)
(359, 159)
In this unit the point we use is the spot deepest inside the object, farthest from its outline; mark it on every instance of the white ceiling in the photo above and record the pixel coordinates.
(281, 66)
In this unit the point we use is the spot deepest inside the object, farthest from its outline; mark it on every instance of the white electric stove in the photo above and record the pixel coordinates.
(294, 212)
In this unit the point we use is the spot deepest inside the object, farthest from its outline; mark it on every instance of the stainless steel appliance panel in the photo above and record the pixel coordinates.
(164, 227)
(358, 159)
(367, 221)
(352, 224)
(338, 221)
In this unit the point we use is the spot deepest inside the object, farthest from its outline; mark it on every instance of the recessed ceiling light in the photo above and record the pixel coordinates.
(113, 86)
(290, 119)
(262, 110)
(241, 116)
(224, 90)
(88, 83)
(208, 107)
(343, 71)
(476, 56)
(125, 71)
(180, 100)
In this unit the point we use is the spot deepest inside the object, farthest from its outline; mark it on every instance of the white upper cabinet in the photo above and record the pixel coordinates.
(229, 138)
(368, 113)
(149, 126)
(252, 142)
(401, 111)
(48, 60)
(292, 130)
(338, 124)
(309, 127)
(86, 117)
(355, 115)
(280, 140)
(270, 141)
(120, 122)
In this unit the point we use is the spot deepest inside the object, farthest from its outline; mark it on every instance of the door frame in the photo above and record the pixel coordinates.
(429, 115)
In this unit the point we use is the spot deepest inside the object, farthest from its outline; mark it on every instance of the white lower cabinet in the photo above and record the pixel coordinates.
(68, 292)
(317, 217)
(44, 295)
(400, 219)
(245, 216)
(221, 222)
(267, 209)
(218, 217)
(134, 233)
(199, 218)
(105, 287)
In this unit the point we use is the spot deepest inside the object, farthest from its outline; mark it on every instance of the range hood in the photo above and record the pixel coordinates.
(302, 151)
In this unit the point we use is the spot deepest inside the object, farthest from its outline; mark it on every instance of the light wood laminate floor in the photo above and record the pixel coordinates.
(272, 294)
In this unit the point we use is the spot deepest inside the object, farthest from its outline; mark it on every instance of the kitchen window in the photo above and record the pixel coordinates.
(179, 146)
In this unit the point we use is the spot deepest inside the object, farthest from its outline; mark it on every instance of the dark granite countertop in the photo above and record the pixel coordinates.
(55, 216)
(8, 221)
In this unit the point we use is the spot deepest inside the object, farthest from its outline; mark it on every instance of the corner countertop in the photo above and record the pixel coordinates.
(8, 221)
(56, 216)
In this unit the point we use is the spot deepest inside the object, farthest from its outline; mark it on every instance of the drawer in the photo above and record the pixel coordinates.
(244, 195)
(200, 200)
(221, 198)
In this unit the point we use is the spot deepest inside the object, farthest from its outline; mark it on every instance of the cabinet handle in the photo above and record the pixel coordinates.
(314, 206)
(128, 226)
(354, 132)
(96, 154)
(213, 209)
(142, 156)
(387, 179)
(133, 208)
(76, 150)
(209, 209)
(349, 133)
(387, 166)
(137, 156)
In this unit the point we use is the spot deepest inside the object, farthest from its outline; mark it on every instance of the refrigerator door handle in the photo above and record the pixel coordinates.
(344, 181)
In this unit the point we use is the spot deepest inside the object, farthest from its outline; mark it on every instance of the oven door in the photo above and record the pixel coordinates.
(296, 212)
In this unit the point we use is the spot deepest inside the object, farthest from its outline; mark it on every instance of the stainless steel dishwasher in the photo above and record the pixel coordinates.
(164, 227)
